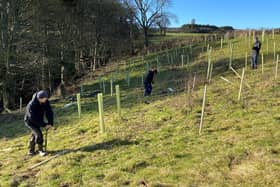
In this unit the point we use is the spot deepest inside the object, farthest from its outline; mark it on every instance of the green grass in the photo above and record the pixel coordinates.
(156, 39)
(158, 144)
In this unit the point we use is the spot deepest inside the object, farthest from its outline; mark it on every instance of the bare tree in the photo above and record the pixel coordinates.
(164, 21)
(147, 13)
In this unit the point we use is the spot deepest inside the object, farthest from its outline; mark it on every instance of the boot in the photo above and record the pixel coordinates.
(31, 147)
(41, 150)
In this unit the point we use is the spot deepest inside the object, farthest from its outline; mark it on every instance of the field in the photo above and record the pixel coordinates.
(158, 144)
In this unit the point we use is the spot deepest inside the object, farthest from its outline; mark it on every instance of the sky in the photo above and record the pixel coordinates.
(241, 14)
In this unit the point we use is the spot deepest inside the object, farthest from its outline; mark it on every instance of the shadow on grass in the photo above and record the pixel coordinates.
(108, 145)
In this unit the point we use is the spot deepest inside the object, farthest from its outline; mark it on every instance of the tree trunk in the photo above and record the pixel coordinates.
(146, 37)
(43, 74)
(95, 55)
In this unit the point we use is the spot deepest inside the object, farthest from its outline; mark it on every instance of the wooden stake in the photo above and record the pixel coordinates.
(47, 160)
(104, 86)
(158, 64)
(82, 90)
(189, 96)
(262, 63)
(101, 112)
(111, 86)
(237, 74)
(182, 60)
(209, 64)
(79, 105)
(100, 84)
(267, 46)
(276, 67)
(226, 80)
(231, 55)
(274, 51)
(128, 78)
(246, 60)
(211, 71)
(194, 80)
(203, 108)
(241, 84)
(118, 100)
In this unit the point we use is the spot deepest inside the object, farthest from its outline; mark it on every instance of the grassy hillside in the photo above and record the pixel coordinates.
(158, 144)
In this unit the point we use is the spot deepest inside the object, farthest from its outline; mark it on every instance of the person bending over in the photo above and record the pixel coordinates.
(38, 108)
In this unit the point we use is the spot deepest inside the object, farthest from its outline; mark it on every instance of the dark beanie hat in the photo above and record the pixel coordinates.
(42, 94)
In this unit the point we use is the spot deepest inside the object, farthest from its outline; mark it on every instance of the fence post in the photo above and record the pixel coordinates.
(101, 112)
(182, 60)
(203, 108)
(118, 98)
(79, 105)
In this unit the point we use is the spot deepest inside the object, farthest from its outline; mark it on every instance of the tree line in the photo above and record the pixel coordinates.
(49, 44)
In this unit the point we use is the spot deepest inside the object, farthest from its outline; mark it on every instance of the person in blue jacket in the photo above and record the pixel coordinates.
(38, 108)
(149, 80)
(255, 52)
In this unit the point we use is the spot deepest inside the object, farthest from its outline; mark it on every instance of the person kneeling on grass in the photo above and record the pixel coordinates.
(36, 109)
(149, 80)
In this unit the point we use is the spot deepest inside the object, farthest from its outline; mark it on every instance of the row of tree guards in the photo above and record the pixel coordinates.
(170, 57)
(241, 77)
(101, 107)
(184, 56)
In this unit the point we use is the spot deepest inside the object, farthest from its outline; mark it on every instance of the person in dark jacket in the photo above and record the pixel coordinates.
(255, 52)
(149, 80)
(38, 108)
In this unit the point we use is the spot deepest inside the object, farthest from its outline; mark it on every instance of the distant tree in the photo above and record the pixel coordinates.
(193, 21)
(164, 22)
(147, 13)
(189, 28)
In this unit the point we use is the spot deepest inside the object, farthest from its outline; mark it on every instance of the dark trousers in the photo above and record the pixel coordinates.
(148, 89)
(255, 56)
(35, 138)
